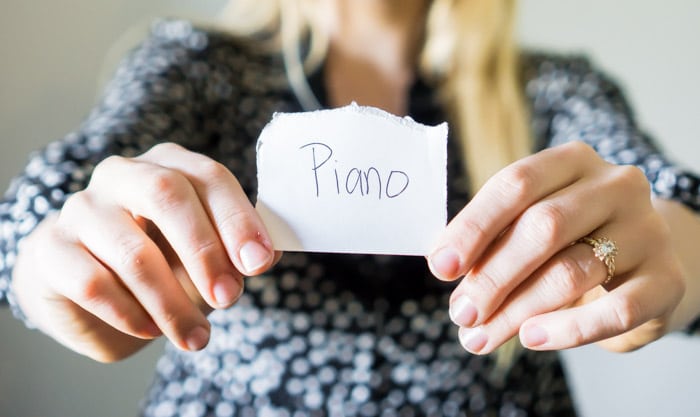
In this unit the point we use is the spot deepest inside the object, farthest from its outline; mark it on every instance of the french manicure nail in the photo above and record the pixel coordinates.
(254, 256)
(197, 339)
(473, 339)
(463, 312)
(445, 263)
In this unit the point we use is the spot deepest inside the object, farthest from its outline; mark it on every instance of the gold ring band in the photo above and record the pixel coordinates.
(605, 250)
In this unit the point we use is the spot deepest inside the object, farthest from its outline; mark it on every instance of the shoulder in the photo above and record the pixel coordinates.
(196, 53)
(195, 40)
(536, 63)
(570, 99)
(551, 79)
(183, 72)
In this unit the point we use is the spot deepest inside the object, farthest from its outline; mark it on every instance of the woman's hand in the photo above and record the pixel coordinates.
(146, 249)
(522, 274)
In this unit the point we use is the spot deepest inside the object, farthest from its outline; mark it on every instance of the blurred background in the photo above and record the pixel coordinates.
(53, 56)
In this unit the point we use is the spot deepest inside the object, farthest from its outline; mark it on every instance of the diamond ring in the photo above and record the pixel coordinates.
(605, 250)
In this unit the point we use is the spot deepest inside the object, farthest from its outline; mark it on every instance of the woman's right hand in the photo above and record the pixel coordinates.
(148, 248)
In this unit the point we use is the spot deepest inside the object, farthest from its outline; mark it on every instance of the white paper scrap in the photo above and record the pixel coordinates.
(352, 180)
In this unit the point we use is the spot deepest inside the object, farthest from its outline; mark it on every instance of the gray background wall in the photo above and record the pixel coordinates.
(51, 56)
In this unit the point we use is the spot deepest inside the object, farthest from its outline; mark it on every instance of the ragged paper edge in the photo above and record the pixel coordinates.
(406, 121)
(432, 132)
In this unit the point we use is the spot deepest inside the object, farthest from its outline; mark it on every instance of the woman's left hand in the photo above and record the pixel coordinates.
(517, 244)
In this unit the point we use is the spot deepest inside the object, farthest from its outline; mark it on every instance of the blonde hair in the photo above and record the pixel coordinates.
(469, 52)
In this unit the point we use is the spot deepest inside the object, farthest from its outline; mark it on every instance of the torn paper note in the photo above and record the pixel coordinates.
(352, 180)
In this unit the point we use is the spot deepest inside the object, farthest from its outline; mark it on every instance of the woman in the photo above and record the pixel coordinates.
(132, 247)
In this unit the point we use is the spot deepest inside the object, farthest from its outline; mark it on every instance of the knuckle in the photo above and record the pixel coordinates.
(626, 312)
(170, 319)
(167, 189)
(132, 253)
(576, 334)
(580, 148)
(77, 212)
(205, 249)
(104, 168)
(506, 321)
(567, 278)
(630, 177)
(164, 181)
(238, 219)
(131, 320)
(212, 170)
(86, 289)
(545, 223)
(518, 181)
(75, 205)
(487, 282)
(91, 289)
(165, 148)
(469, 229)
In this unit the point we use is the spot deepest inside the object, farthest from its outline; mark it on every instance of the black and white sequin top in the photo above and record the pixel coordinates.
(320, 335)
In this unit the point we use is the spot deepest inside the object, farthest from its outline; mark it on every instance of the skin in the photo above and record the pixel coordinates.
(148, 248)
(156, 242)
(522, 275)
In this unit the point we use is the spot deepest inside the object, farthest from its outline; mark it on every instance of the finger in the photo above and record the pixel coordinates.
(116, 241)
(168, 199)
(238, 224)
(599, 201)
(94, 288)
(638, 300)
(501, 200)
(562, 280)
(539, 233)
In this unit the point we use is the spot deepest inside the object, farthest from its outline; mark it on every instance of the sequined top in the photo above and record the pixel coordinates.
(320, 334)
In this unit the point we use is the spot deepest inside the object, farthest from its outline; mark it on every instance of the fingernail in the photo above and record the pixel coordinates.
(533, 336)
(444, 263)
(197, 339)
(254, 256)
(463, 312)
(227, 290)
(473, 339)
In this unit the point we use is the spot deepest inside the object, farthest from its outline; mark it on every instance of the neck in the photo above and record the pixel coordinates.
(394, 24)
(373, 51)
